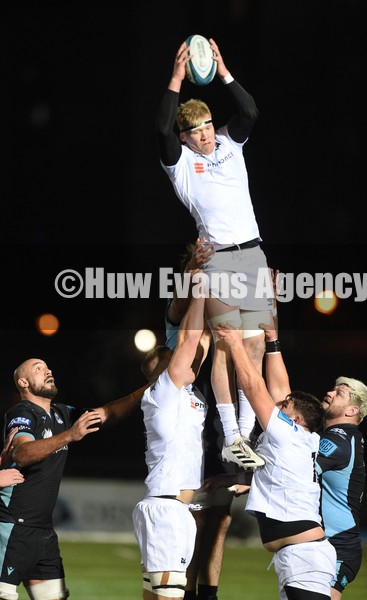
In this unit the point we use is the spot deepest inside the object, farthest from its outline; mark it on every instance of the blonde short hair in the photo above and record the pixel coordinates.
(192, 113)
(358, 394)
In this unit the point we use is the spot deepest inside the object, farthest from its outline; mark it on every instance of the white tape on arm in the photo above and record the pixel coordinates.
(227, 79)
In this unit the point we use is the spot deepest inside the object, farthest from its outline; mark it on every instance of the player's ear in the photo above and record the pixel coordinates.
(352, 411)
(22, 382)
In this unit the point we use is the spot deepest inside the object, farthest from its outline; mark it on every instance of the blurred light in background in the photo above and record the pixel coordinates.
(145, 340)
(47, 324)
(326, 302)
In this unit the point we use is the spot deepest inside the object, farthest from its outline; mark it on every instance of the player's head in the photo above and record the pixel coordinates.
(155, 362)
(191, 114)
(194, 121)
(305, 409)
(34, 378)
(347, 401)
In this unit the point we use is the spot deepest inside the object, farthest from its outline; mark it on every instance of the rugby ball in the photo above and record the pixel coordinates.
(201, 68)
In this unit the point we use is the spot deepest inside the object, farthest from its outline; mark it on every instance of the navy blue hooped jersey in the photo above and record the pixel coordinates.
(32, 503)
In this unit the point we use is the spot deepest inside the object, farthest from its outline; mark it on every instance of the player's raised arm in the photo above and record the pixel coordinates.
(116, 410)
(240, 125)
(277, 380)
(189, 336)
(250, 380)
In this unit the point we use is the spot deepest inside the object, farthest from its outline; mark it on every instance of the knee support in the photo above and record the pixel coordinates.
(170, 584)
(8, 591)
(250, 320)
(48, 589)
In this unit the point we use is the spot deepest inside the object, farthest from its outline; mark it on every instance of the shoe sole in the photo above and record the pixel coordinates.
(246, 463)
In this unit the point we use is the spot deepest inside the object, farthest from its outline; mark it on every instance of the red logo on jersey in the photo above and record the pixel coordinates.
(199, 167)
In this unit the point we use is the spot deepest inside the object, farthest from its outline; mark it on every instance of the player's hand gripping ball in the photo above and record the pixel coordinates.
(201, 68)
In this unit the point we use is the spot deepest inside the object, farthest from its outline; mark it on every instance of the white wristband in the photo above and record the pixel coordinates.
(227, 79)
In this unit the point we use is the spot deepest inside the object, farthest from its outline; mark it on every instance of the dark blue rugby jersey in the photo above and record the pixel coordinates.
(340, 464)
(32, 502)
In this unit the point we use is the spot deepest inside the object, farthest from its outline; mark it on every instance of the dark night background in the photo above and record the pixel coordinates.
(81, 184)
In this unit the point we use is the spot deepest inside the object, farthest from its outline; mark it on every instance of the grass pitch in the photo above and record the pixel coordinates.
(112, 571)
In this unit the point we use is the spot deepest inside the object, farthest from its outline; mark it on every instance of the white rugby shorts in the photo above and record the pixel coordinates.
(308, 566)
(165, 531)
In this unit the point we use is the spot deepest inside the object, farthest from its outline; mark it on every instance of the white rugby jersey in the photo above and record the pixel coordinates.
(174, 422)
(215, 190)
(286, 488)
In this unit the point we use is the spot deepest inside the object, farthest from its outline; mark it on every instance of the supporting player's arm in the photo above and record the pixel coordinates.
(187, 342)
(277, 380)
(201, 253)
(250, 380)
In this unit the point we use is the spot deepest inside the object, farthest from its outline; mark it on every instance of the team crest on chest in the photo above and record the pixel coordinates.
(58, 418)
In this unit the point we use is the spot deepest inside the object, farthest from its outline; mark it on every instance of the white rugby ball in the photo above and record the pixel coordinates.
(201, 68)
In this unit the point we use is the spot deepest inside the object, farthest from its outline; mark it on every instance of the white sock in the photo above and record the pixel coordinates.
(228, 417)
(246, 417)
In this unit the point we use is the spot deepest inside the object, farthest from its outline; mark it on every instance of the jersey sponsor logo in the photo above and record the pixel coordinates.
(47, 433)
(19, 421)
(199, 167)
(212, 165)
(197, 404)
(24, 428)
(327, 447)
(10, 570)
(61, 449)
